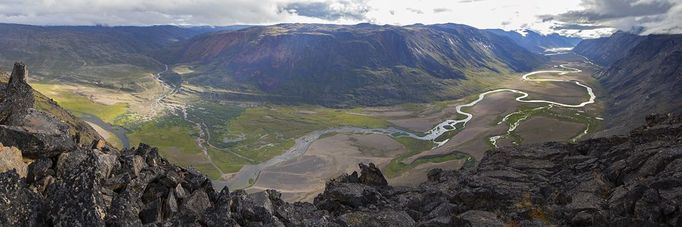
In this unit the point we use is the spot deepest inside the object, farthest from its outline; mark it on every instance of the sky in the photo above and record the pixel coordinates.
(583, 18)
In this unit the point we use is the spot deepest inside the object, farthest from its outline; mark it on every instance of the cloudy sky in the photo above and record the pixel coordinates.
(586, 18)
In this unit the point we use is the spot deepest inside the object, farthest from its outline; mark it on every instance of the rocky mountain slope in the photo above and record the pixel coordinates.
(646, 79)
(349, 65)
(90, 53)
(331, 65)
(616, 181)
(43, 126)
(607, 50)
(536, 42)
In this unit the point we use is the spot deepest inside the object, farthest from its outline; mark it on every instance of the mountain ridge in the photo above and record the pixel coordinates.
(607, 50)
(537, 42)
(647, 79)
(624, 180)
(352, 64)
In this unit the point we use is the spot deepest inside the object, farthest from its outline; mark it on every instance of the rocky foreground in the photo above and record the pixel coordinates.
(52, 176)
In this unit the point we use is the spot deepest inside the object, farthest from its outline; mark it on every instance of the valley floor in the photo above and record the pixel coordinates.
(296, 149)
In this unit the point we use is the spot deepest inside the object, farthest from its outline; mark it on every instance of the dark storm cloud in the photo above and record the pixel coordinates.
(645, 16)
(600, 10)
(328, 10)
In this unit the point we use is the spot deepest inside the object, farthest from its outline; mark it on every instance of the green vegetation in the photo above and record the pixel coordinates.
(79, 104)
(566, 114)
(226, 161)
(214, 116)
(268, 131)
(206, 168)
(175, 139)
(447, 135)
(469, 161)
(167, 132)
(413, 146)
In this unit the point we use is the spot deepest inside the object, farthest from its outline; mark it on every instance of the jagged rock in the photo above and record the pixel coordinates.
(180, 192)
(478, 218)
(18, 97)
(371, 175)
(67, 161)
(35, 145)
(38, 169)
(99, 144)
(19, 205)
(346, 196)
(380, 218)
(617, 181)
(582, 218)
(10, 158)
(197, 202)
(77, 198)
(255, 209)
(220, 214)
(303, 214)
(37, 125)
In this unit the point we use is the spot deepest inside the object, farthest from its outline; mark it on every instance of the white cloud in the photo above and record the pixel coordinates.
(640, 16)
(540, 15)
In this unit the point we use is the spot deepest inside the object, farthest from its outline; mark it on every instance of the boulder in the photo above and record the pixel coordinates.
(39, 169)
(478, 218)
(11, 159)
(20, 206)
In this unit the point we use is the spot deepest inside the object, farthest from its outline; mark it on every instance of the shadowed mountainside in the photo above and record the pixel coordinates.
(536, 42)
(648, 79)
(349, 65)
(607, 50)
(331, 65)
(615, 181)
(91, 54)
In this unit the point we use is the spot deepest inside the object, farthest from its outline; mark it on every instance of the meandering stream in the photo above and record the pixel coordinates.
(249, 173)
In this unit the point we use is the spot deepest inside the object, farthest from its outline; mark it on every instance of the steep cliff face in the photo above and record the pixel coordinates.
(607, 50)
(337, 65)
(647, 79)
(616, 181)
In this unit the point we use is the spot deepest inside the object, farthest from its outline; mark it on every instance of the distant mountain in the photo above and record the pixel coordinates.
(349, 65)
(71, 50)
(50, 177)
(607, 50)
(537, 42)
(648, 79)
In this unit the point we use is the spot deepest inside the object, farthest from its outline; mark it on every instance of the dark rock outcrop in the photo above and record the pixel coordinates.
(633, 180)
(35, 124)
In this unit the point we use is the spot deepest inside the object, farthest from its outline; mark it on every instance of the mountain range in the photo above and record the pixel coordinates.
(55, 178)
(641, 75)
(607, 50)
(350, 65)
(91, 54)
(333, 65)
(537, 42)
